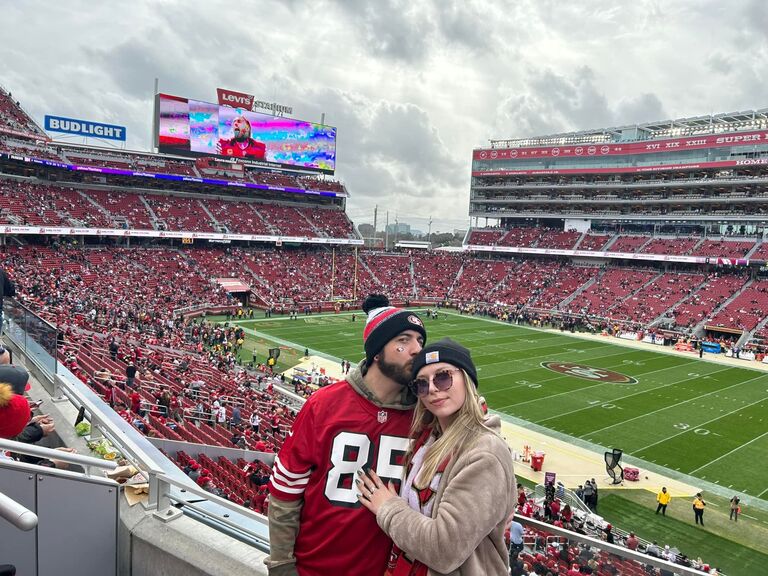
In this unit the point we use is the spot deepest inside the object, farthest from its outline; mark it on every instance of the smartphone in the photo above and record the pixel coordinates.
(35, 404)
(80, 415)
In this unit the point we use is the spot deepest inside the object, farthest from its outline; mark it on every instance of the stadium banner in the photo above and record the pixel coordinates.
(180, 235)
(612, 255)
(84, 128)
(644, 147)
(31, 135)
(625, 169)
(177, 177)
(194, 128)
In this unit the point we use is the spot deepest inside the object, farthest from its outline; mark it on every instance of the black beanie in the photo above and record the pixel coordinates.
(384, 323)
(448, 351)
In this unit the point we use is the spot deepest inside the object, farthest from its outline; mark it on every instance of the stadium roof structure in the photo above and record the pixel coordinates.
(694, 126)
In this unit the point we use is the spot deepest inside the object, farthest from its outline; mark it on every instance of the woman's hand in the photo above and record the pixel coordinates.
(373, 492)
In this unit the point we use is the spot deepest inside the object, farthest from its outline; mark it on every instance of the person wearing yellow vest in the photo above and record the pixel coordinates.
(663, 499)
(698, 509)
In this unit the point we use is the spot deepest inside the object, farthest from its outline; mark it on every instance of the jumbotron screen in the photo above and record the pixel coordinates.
(194, 128)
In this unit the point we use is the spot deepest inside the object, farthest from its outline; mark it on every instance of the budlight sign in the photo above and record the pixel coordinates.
(84, 128)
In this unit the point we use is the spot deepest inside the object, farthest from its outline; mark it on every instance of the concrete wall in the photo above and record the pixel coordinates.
(183, 547)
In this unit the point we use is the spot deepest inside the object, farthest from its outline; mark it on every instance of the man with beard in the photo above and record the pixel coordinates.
(241, 145)
(316, 524)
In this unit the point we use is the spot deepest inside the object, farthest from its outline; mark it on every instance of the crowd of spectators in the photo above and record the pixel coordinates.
(538, 552)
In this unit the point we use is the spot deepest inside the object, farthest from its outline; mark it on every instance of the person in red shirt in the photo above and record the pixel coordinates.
(317, 525)
(241, 145)
(135, 402)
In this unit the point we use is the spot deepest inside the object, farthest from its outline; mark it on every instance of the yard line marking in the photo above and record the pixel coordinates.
(674, 405)
(579, 390)
(761, 493)
(613, 400)
(702, 423)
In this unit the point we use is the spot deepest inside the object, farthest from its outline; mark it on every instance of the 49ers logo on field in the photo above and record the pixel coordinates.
(589, 372)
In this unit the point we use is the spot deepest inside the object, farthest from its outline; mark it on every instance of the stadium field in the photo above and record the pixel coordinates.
(700, 418)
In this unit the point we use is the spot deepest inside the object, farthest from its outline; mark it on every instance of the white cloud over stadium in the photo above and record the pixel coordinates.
(411, 86)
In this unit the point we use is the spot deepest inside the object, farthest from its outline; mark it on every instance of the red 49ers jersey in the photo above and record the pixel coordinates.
(253, 150)
(337, 433)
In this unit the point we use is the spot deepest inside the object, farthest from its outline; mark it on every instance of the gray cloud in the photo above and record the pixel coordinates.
(412, 86)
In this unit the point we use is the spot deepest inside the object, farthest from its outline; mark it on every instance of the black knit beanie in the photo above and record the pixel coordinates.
(448, 351)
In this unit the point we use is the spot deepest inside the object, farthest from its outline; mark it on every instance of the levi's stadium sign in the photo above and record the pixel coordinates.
(84, 128)
(248, 101)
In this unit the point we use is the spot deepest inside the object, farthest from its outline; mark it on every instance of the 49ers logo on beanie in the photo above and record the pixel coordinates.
(384, 323)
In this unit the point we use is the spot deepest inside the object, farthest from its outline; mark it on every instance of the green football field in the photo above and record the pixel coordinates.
(694, 417)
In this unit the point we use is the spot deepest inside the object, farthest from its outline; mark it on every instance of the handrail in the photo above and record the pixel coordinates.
(620, 551)
(50, 453)
(97, 417)
(160, 501)
(17, 514)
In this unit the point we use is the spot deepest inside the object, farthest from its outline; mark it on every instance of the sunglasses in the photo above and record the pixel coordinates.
(442, 379)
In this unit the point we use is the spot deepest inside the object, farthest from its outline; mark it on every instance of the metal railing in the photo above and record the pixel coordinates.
(615, 549)
(37, 338)
(16, 514)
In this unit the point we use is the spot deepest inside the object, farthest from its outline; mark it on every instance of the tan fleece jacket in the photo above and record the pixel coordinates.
(465, 535)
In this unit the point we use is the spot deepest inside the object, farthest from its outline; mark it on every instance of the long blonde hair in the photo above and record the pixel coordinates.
(450, 442)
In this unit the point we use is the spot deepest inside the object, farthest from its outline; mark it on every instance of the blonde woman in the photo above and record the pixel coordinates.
(459, 486)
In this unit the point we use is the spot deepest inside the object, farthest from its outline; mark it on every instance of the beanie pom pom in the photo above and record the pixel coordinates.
(374, 301)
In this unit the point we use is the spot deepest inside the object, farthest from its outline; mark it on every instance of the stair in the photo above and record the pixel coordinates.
(754, 249)
(699, 328)
(98, 206)
(611, 242)
(631, 294)
(583, 235)
(747, 336)
(588, 284)
(663, 315)
(218, 226)
(152, 216)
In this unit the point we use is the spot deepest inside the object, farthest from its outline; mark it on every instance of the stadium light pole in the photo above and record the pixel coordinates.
(429, 233)
(386, 233)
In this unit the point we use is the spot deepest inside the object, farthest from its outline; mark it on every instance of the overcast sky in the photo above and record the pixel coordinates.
(411, 85)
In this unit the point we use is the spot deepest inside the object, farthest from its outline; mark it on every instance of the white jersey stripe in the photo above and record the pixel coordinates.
(278, 478)
(279, 466)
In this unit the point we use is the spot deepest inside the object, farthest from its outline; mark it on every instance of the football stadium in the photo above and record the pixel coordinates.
(168, 313)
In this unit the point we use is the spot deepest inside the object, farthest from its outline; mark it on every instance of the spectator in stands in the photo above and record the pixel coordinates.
(236, 418)
(7, 288)
(312, 508)
(454, 449)
(631, 542)
(130, 374)
(241, 145)
(14, 412)
(255, 422)
(515, 541)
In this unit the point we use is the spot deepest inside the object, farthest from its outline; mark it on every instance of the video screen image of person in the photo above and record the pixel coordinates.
(241, 145)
